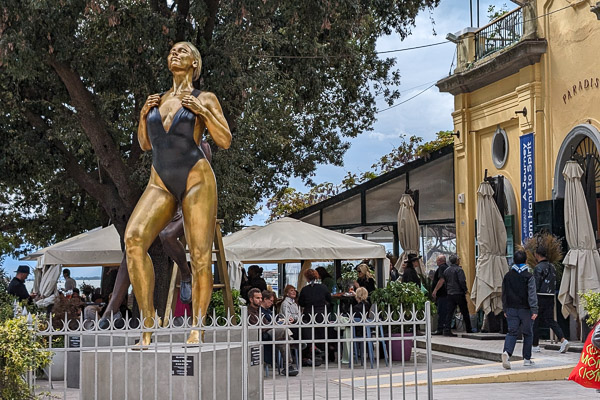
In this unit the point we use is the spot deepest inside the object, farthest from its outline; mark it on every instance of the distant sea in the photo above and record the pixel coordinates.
(94, 281)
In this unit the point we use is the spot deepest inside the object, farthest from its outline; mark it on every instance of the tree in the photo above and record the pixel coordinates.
(294, 79)
(289, 200)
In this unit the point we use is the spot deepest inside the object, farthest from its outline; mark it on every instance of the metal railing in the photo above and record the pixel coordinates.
(501, 33)
(343, 356)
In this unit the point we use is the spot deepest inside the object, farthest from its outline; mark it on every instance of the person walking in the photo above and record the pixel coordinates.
(545, 284)
(442, 299)
(456, 288)
(519, 300)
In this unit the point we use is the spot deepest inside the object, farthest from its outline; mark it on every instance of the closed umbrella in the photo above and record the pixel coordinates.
(48, 285)
(582, 262)
(408, 230)
(491, 263)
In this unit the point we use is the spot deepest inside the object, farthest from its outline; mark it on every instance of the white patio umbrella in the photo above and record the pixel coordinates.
(582, 262)
(408, 231)
(48, 285)
(491, 263)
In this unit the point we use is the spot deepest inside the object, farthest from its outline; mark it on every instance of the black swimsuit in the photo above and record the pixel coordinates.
(174, 153)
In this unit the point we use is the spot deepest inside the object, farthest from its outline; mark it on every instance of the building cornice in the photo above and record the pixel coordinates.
(495, 67)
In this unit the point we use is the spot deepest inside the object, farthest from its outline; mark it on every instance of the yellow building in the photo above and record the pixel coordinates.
(529, 81)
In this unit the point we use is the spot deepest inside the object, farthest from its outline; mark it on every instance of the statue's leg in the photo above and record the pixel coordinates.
(152, 213)
(199, 217)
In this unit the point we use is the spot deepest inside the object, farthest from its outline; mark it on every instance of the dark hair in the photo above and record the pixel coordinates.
(75, 290)
(453, 258)
(267, 294)
(520, 257)
(541, 251)
(322, 271)
(311, 275)
(67, 271)
(96, 296)
(252, 292)
(254, 270)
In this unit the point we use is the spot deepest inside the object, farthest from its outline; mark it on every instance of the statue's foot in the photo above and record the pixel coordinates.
(145, 342)
(195, 337)
(185, 291)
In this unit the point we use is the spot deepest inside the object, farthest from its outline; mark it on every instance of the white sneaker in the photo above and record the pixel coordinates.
(536, 349)
(564, 346)
(505, 361)
(528, 363)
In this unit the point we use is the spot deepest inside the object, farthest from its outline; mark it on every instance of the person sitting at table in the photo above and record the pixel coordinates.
(365, 278)
(289, 308)
(362, 305)
(255, 280)
(326, 278)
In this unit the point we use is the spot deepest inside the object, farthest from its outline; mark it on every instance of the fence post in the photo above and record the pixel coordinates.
(428, 350)
(244, 317)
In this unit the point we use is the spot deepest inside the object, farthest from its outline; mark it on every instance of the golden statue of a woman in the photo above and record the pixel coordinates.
(171, 125)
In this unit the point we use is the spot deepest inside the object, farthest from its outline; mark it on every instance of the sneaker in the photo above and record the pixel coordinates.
(291, 370)
(505, 360)
(536, 349)
(564, 346)
(528, 363)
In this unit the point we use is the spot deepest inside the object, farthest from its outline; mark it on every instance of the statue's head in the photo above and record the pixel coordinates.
(181, 48)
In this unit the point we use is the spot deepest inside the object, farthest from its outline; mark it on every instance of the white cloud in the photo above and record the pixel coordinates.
(380, 136)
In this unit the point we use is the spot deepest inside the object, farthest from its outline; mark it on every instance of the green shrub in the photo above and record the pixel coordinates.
(591, 304)
(398, 295)
(218, 305)
(21, 351)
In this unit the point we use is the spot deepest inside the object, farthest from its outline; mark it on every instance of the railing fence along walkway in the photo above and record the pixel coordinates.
(235, 360)
(500, 33)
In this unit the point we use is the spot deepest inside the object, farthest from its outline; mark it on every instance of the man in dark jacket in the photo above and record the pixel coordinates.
(545, 283)
(456, 289)
(16, 287)
(519, 301)
(441, 299)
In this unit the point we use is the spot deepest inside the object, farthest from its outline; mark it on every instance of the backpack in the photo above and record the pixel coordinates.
(548, 283)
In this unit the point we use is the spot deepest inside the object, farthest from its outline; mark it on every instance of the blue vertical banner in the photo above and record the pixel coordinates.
(527, 155)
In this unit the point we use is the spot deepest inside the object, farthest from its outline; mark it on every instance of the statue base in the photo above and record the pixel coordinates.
(164, 370)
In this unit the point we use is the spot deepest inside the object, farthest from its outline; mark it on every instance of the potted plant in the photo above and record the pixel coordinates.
(395, 298)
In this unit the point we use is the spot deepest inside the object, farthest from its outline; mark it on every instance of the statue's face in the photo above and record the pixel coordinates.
(180, 58)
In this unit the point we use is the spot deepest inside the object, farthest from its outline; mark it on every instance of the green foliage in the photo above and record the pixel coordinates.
(493, 13)
(399, 296)
(6, 300)
(294, 79)
(217, 305)
(591, 304)
(289, 200)
(21, 351)
(347, 279)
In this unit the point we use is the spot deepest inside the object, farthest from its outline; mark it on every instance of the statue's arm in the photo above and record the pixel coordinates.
(207, 106)
(143, 139)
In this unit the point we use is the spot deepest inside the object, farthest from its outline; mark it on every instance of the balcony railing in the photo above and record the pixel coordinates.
(499, 34)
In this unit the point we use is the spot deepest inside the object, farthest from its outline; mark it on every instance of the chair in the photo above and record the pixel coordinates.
(368, 335)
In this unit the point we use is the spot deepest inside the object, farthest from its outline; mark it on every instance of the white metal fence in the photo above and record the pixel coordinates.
(333, 357)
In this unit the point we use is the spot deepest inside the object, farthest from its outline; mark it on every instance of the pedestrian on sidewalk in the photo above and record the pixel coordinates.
(456, 289)
(545, 283)
(441, 295)
(519, 300)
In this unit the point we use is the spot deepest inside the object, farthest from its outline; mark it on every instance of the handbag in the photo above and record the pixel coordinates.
(587, 371)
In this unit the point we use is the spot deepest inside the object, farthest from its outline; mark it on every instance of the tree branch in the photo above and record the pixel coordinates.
(95, 129)
(213, 7)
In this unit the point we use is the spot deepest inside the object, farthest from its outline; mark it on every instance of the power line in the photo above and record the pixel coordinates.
(346, 55)
(409, 99)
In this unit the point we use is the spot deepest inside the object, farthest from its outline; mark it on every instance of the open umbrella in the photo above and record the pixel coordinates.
(491, 263)
(408, 230)
(582, 262)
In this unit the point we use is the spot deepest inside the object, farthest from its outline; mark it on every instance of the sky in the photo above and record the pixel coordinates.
(424, 115)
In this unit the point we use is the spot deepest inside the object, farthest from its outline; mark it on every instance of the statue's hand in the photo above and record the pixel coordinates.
(152, 101)
(194, 105)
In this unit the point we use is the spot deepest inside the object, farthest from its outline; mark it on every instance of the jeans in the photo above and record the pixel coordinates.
(545, 317)
(442, 306)
(519, 318)
(461, 301)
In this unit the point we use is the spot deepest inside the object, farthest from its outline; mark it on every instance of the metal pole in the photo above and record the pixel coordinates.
(428, 350)
(244, 312)
(471, 9)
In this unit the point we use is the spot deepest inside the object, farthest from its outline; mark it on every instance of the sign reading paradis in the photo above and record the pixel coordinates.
(581, 86)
